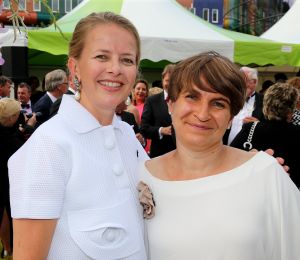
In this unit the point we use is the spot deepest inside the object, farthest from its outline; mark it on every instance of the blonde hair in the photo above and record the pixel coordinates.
(8, 108)
(86, 24)
(279, 101)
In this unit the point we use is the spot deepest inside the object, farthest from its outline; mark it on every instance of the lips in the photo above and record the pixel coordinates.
(111, 84)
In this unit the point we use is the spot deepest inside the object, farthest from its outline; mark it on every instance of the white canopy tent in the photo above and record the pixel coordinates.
(8, 39)
(287, 28)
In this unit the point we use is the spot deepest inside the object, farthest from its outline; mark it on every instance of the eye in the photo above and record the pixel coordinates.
(219, 104)
(101, 57)
(128, 61)
(191, 96)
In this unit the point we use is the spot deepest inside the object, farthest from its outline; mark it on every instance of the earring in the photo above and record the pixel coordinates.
(78, 88)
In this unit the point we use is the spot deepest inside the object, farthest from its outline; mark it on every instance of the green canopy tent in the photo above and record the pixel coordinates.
(169, 33)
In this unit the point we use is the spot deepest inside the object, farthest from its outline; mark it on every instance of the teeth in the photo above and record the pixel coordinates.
(110, 84)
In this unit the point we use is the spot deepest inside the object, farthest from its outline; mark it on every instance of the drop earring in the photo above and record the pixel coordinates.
(77, 84)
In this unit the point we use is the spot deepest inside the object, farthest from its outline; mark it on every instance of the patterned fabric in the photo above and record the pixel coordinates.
(296, 117)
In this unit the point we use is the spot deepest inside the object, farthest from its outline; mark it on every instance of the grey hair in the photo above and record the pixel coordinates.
(250, 72)
(54, 78)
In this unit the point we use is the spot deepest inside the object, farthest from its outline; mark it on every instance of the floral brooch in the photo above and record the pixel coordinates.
(146, 200)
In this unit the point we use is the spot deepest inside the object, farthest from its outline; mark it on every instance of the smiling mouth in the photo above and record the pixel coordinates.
(110, 84)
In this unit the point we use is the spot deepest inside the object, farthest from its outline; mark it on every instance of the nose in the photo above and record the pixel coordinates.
(114, 66)
(202, 113)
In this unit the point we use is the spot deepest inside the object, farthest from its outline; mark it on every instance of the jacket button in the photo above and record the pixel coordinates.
(109, 143)
(117, 169)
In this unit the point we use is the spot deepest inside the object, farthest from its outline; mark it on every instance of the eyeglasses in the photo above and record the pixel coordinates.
(65, 83)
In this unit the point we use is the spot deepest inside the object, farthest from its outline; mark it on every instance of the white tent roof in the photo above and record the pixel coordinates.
(7, 38)
(287, 28)
(173, 46)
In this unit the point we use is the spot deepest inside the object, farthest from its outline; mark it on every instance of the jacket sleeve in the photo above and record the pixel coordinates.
(148, 128)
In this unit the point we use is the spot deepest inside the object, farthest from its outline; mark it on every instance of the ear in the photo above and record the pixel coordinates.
(73, 68)
(170, 107)
(230, 123)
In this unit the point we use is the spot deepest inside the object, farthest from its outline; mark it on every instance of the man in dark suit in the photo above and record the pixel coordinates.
(156, 121)
(5, 86)
(252, 110)
(56, 84)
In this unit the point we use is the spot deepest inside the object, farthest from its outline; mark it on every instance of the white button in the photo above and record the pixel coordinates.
(117, 169)
(110, 234)
(109, 143)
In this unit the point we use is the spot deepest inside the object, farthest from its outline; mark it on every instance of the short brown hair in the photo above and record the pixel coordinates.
(85, 24)
(210, 72)
(168, 70)
(279, 101)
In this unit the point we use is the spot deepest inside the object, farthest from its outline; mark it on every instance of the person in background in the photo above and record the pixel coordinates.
(56, 83)
(36, 94)
(73, 183)
(11, 139)
(156, 120)
(295, 82)
(129, 118)
(139, 95)
(5, 86)
(213, 201)
(280, 77)
(252, 109)
(155, 90)
(24, 94)
(276, 132)
(266, 84)
(71, 91)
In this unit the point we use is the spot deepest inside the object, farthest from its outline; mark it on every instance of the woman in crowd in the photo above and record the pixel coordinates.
(277, 131)
(12, 137)
(73, 184)
(295, 82)
(213, 201)
(139, 95)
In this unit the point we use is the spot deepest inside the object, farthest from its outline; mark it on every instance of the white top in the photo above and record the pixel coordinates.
(83, 174)
(237, 122)
(249, 213)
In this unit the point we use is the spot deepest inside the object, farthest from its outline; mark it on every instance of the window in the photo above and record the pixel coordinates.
(6, 4)
(215, 16)
(193, 10)
(205, 14)
(22, 4)
(36, 5)
(55, 5)
(68, 6)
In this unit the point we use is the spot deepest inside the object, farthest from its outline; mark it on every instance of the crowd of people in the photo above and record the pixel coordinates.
(77, 181)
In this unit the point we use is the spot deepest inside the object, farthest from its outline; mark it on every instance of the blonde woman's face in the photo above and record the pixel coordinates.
(106, 68)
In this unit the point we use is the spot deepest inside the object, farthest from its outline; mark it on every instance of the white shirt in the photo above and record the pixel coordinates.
(83, 174)
(53, 98)
(237, 122)
(251, 212)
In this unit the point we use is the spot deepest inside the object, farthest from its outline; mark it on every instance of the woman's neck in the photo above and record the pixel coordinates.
(187, 164)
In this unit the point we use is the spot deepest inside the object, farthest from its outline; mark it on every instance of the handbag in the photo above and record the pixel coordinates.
(248, 145)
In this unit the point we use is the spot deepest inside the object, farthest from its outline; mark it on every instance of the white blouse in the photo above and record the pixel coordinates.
(251, 212)
(83, 174)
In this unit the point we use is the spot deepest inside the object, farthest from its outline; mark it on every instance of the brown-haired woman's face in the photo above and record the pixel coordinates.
(140, 91)
(200, 118)
(107, 67)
